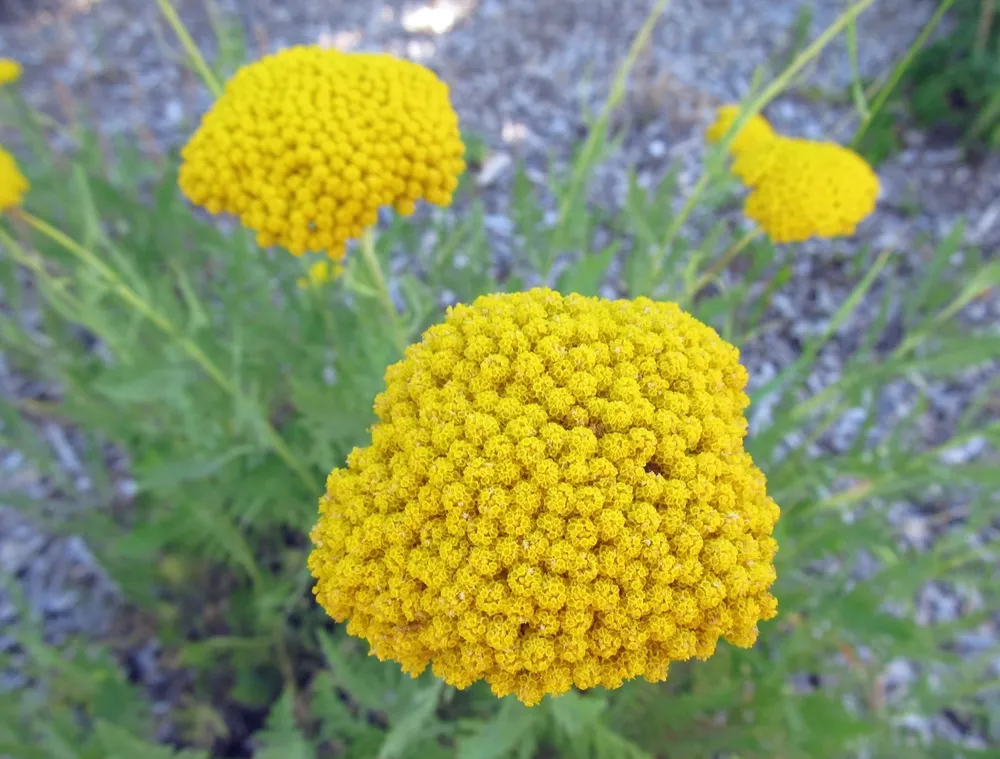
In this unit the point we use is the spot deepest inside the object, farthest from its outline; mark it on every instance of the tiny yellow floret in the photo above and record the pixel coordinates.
(320, 273)
(556, 494)
(10, 71)
(756, 132)
(305, 146)
(804, 188)
(13, 184)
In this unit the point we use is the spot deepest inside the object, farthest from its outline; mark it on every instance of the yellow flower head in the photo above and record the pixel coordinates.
(319, 273)
(807, 189)
(306, 145)
(555, 495)
(10, 71)
(13, 185)
(756, 132)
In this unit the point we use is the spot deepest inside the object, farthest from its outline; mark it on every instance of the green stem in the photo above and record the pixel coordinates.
(274, 439)
(857, 89)
(756, 105)
(899, 70)
(734, 250)
(370, 258)
(597, 133)
(197, 59)
(808, 355)
(987, 9)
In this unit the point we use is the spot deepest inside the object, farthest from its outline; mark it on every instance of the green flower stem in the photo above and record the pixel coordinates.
(857, 89)
(197, 59)
(274, 439)
(370, 258)
(899, 70)
(987, 9)
(596, 135)
(709, 276)
(805, 360)
(756, 105)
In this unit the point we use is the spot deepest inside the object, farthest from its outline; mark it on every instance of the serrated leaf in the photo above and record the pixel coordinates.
(138, 385)
(511, 727)
(808, 712)
(863, 620)
(255, 686)
(58, 746)
(118, 743)
(585, 275)
(363, 690)
(411, 728)
(281, 737)
(203, 652)
(218, 530)
(198, 318)
(574, 714)
(13, 748)
(336, 720)
(169, 474)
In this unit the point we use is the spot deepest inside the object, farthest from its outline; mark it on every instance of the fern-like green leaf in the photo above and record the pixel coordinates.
(281, 737)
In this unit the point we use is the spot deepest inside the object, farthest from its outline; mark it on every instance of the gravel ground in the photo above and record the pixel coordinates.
(523, 74)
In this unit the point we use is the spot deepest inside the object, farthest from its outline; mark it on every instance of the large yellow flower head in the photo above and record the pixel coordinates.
(306, 145)
(804, 188)
(10, 71)
(756, 132)
(13, 185)
(555, 495)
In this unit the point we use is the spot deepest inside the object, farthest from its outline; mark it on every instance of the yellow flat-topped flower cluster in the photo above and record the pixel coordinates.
(555, 495)
(306, 145)
(800, 188)
(13, 184)
(804, 189)
(10, 71)
(756, 132)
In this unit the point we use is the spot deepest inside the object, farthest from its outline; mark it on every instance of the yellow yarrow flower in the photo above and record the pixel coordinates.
(756, 132)
(13, 184)
(306, 145)
(804, 188)
(320, 273)
(556, 494)
(10, 71)
(801, 188)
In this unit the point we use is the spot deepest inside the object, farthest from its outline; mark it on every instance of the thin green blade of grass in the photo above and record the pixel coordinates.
(847, 308)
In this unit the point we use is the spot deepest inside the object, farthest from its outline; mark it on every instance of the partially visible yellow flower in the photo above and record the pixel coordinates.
(306, 146)
(754, 133)
(319, 273)
(10, 71)
(556, 494)
(13, 185)
(752, 165)
(804, 188)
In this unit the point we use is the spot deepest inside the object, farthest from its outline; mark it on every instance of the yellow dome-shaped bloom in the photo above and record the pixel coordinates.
(10, 71)
(555, 495)
(306, 145)
(754, 133)
(752, 166)
(804, 189)
(13, 185)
